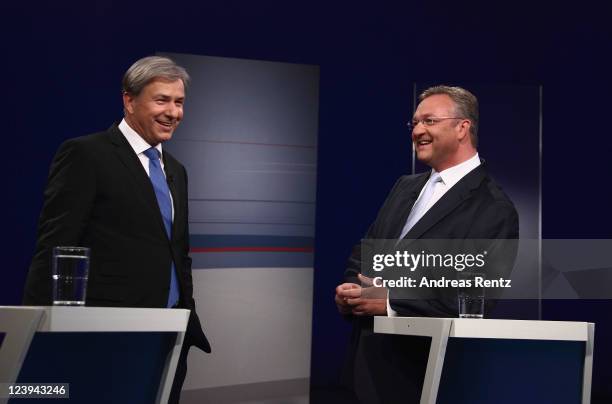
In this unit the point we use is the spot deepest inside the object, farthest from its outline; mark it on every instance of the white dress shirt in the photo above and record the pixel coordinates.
(140, 145)
(450, 177)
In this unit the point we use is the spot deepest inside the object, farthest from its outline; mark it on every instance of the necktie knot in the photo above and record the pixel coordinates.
(152, 153)
(422, 204)
(435, 177)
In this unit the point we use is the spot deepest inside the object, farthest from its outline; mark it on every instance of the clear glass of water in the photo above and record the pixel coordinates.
(471, 296)
(69, 270)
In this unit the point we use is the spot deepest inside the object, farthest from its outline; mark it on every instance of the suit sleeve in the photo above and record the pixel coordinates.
(186, 258)
(68, 200)
(195, 335)
(353, 267)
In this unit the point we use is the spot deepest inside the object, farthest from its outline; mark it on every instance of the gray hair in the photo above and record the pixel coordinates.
(466, 105)
(145, 70)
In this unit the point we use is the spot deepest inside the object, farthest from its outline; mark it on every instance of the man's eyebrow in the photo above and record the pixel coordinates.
(165, 97)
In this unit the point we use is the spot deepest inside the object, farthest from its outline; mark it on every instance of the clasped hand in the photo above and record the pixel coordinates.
(361, 300)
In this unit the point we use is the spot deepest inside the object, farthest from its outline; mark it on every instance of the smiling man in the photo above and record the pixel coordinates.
(443, 131)
(120, 194)
(456, 199)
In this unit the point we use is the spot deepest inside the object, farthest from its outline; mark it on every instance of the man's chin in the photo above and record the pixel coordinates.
(424, 158)
(164, 136)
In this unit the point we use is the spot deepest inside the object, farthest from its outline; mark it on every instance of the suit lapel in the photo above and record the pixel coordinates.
(144, 188)
(449, 202)
(171, 174)
(407, 202)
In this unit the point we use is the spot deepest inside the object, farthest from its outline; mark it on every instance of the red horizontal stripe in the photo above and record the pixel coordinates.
(251, 249)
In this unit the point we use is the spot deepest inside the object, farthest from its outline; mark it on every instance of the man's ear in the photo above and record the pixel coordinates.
(464, 129)
(128, 102)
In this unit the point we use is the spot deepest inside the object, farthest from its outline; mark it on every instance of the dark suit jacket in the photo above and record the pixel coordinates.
(99, 196)
(474, 208)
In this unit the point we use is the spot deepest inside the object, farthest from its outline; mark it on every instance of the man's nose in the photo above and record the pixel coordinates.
(418, 130)
(173, 110)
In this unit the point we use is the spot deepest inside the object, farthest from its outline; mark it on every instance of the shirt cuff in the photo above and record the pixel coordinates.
(390, 311)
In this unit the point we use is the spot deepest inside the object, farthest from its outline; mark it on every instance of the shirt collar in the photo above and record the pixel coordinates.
(452, 175)
(135, 140)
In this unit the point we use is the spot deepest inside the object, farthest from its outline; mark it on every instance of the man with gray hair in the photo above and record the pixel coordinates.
(120, 194)
(457, 199)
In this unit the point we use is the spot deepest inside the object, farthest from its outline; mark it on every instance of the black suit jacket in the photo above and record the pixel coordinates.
(474, 208)
(99, 196)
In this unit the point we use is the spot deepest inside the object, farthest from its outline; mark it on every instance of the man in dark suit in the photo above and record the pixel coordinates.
(457, 199)
(118, 193)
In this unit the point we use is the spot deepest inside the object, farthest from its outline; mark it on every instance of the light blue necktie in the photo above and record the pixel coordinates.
(162, 192)
(419, 208)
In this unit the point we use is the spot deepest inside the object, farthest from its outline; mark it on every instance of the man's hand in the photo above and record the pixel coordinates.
(364, 300)
(344, 292)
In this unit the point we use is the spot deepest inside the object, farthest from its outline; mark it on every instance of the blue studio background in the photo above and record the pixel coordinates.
(62, 64)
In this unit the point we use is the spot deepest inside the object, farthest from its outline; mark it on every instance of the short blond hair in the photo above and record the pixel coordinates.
(466, 105)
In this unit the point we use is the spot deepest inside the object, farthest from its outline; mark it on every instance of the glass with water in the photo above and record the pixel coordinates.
(471, 295)
(70, 269)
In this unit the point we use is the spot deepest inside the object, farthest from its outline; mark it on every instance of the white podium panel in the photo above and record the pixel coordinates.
(89, 345)
(441, 329)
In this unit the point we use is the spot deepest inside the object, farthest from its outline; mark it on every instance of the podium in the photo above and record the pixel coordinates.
(104, 354)
(498, 361)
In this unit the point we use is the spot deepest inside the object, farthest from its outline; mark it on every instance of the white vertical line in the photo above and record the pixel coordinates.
(587, 375)
(540, 209)
(414, 105)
